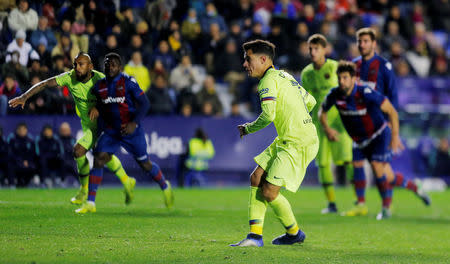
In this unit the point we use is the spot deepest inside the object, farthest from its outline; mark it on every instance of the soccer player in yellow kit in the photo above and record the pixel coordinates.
(80, 81)
(318, 78)
(283, 164)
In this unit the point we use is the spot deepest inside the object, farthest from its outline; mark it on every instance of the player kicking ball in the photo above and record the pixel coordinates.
(283, 164)
(80, 81)
(363, 111)
(121, 105)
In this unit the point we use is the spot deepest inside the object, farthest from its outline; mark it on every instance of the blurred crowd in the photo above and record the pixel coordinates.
(45, 160)
(186, 55)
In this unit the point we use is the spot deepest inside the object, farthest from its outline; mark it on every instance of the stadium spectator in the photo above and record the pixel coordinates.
(301, 34)
(441, 159)
(66, 48)
(419, 60)
(137, 44)
(67, 142)
(228, 66)
(190, 28)
(178, 45)
(402, 68)
(186, 110)
(158, 13)
(23, 17)
(136, 68)
(256, 31)
(43, 32)
(439, 11)
(199, 151)
(440, 64)
(214, 45)
(23, 161)
(236, 33)
(161, 103)
(99, 13)
(212, 17)
(404, 26)
(208, 99)
(164, 54)
(281, 41)
(393, 35)
(58, 65)
(158, 69)
(24, 48)
(4, 160)
(14, 68)
(81, 41)
(112, 45)
(286, 9)
(298, 60)
(8, 90)
(184, 76)
(49, 152)
(96, 43)
(235, 109)
(310, 18)
(44, 54)
(36, 69)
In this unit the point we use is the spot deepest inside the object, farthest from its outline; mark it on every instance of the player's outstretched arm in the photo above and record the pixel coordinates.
(264, 119)
(396, 144)
(332, 134)
(21, 100)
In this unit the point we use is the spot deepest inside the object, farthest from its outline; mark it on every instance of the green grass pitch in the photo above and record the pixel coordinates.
(40, 226)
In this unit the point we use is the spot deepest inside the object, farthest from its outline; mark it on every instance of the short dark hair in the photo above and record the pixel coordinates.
(260, 46)
(346, 66)
(318, 39)
(21, 124)
(366, 31)
(47, 126)
(114, 56)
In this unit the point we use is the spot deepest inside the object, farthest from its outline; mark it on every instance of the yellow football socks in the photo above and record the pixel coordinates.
(256, 210)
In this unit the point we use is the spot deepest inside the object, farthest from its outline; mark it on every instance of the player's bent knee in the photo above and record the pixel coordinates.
(101, 159)
(79, 151)
(269, 194)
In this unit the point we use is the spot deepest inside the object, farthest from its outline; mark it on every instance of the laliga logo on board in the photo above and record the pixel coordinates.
(164, 146)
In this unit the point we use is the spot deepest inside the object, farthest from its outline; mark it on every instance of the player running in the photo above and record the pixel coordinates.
(80, 81)
(363, 111)
(121, 105)
(318, 78)
(283, 164)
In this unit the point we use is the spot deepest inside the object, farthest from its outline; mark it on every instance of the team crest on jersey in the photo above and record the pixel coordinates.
(327, 76)
(263, 91)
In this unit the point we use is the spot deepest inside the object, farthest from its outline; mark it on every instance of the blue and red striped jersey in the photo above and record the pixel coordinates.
(378, 74)
(116, 101)
(360, 111)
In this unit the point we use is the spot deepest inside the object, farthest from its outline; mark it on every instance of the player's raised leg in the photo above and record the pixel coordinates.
(115, 166)
(398, 180)
(153, 170)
